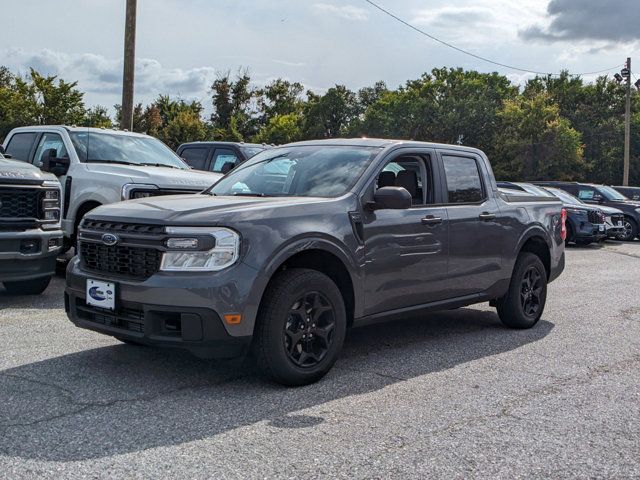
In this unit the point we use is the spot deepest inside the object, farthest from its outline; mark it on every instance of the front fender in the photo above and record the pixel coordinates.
(315, 241)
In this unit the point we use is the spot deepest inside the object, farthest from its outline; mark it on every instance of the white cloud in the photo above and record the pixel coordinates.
(349, 12)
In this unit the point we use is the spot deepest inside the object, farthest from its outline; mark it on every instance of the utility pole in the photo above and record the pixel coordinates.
(627, 124)
(129, 65)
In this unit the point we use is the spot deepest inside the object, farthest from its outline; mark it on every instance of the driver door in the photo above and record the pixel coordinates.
(406, 251)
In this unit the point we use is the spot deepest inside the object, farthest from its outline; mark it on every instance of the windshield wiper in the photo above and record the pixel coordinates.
(159, 165)
(249, 194)
(121, 162)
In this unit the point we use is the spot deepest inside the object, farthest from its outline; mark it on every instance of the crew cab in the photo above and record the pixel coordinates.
(302, 241)
(218, 157)
(605, 196)
(98, 166)
(30, 234)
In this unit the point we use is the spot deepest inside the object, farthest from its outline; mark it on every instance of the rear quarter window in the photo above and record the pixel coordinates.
(20, 145)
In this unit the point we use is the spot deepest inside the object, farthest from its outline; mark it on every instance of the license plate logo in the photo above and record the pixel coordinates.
(101, 294)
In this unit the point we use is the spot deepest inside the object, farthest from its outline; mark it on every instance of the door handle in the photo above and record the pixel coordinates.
(486, 216)
(430, 220)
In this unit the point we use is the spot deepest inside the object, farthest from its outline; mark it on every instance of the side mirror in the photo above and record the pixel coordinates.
(53, 164)
(391, 198)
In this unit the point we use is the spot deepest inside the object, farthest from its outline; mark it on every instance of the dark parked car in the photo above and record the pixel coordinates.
(304, 240)
(218, 157)
(632, 193)
(607, 196)
(585, 224)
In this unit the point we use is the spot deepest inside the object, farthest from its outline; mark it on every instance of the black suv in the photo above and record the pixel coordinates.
(604, 195)
(218, 157)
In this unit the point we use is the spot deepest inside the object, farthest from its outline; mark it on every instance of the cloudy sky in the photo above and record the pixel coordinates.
(183, 44)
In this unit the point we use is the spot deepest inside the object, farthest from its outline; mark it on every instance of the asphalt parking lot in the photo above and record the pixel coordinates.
(448, 395)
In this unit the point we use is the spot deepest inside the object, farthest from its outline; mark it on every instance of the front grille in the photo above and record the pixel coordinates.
(126, 318)
(113, 227)
(19, 203)
(135, 262)
(595, 217)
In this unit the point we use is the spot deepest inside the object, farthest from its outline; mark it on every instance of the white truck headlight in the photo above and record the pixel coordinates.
(225, 252)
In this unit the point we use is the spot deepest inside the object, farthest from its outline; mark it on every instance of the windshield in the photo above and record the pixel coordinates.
(127, 149)
(314, 171)
(566, 197)
(611, 194)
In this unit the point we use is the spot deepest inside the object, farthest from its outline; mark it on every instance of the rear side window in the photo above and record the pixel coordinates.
(20, 145)
(196, 157)
(586, 193)
(463, 179)
(221, 157)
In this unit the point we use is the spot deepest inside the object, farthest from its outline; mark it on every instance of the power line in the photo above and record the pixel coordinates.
(466, 52)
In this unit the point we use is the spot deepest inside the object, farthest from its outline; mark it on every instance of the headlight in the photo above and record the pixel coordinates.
(224, 253)
(137, 190)
(50, 204)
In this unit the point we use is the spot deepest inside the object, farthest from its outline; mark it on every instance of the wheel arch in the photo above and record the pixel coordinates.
(536, 241)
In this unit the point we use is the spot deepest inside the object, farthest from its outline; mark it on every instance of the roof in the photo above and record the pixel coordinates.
(381, 143)
(73, 128)
(214, 143)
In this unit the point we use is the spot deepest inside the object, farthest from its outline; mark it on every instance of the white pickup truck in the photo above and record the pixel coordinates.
(99, 166)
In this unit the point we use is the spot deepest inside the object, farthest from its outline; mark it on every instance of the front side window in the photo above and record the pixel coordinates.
(99, 147)
(463, 179)
(47, 142)
(409, 173)
(196, 157)
(20, 145)
(309, 171)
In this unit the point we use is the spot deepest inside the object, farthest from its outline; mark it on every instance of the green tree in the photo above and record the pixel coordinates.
(234, 116)
(281, 129)
(329, 115)
(186, 126)
(536, 143)
(97, 116)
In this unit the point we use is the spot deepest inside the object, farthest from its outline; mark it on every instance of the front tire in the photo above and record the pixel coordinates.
(630, 230)
(301, 327)
(524, 303)
(28, 287)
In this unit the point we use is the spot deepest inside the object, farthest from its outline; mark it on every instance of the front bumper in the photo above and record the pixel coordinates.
(183, 311)
(28, 255)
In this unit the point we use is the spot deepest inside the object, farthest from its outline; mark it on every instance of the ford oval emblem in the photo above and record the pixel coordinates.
(109, 239)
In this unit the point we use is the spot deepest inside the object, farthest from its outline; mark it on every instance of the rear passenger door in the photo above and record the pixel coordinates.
(475, 228)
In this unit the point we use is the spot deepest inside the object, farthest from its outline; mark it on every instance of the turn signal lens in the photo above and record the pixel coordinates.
(182, 243)
(563, 222)
(233, 318)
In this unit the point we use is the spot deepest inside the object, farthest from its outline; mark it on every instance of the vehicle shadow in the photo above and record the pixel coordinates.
(50, 299)
(122, 399)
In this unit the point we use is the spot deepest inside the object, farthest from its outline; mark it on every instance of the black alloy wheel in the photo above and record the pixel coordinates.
(629, 231)
(531, 291)
(309, 329)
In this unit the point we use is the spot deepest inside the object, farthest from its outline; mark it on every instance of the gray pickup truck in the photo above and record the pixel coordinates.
(30, 234)
(302, 241)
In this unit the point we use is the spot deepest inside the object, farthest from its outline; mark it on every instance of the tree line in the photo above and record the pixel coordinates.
(551, 128)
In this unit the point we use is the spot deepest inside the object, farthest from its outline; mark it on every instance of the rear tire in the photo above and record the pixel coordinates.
(301, 327)
(28, 287)
(524, 303)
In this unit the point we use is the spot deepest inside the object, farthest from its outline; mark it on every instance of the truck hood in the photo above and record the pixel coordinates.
(199, 209)
(16, 170)
(626, 202)
(160, 176)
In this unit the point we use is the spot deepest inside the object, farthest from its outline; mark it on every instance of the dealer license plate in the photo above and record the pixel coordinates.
(601, 228)
(101, 294)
